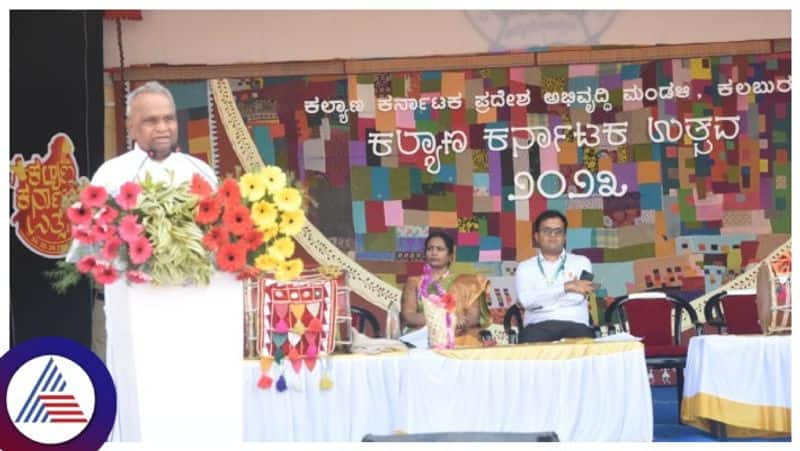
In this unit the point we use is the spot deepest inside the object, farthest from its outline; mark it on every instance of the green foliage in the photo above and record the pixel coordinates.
(63, 277)
(168, 217)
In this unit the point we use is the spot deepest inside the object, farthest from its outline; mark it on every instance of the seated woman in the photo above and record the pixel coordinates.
(469, 291)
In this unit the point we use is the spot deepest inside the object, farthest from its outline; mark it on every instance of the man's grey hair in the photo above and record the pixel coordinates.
(150, 86)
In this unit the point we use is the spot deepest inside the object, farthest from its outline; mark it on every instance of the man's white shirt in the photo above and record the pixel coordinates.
(132, 166)
(545, 301)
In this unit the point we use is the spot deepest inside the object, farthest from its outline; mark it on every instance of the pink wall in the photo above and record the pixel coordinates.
(227, 37)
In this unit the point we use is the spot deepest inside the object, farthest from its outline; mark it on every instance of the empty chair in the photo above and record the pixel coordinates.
(733, 312)
(363, 318)
(649, 316)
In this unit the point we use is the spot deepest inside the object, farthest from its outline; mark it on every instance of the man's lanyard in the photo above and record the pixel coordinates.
(551, 282)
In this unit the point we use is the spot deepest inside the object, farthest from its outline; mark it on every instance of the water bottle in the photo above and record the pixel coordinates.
(393, 321)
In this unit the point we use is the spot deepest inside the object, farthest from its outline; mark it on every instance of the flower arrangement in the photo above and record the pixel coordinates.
(439, 310)
(249, 223)
(146, 233)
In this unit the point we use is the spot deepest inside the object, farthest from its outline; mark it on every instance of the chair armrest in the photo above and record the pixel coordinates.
(486, 337)
(513, 338)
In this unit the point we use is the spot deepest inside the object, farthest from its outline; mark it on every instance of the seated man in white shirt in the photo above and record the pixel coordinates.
(549, 288)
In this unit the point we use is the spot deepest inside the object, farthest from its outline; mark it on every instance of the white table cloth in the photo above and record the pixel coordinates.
(583, 392)
(175, 354)
(364, 398)
(742, 381)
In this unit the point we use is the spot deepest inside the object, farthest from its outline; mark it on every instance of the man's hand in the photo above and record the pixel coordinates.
(583, 287)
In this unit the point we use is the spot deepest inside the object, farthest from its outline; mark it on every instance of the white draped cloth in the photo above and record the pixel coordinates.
(363, 399)
(583, 392)
(174, 354)
(743, 381)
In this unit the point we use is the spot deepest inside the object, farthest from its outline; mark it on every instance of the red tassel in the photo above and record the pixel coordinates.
(264, 382)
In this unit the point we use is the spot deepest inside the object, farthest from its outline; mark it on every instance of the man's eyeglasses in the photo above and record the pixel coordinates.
(551, 232)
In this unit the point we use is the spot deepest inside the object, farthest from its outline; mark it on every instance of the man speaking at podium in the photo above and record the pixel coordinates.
(552, 286)
(152, 125)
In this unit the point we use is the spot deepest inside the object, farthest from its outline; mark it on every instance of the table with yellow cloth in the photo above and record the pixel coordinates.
(584, 391)
(739, 385)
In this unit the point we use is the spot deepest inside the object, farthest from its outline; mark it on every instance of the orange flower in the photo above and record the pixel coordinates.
(200, 186)
(208, 211)
(248, 272)
(253, 239)
(237, 219)
(231, 257)
(230, 194)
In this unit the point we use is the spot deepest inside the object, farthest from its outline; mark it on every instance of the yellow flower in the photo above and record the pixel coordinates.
(266, 263)
(291, 222)
(288, 199)
(282, 248)
(264, 214)
(252, 187)
(269, 233)
(273, 177)
(289, 270)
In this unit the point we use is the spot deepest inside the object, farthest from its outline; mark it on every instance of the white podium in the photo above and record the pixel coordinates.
(175, 356)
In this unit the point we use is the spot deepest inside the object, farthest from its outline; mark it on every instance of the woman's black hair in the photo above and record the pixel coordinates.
(448, 240)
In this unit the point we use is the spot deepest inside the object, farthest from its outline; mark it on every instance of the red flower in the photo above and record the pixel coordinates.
(215, 238)
(448, 302)
(208, 211)
(83, 234)
(102, 232)
(111, 248)
(200, 186)
(86, 264)
(229, 192)
(237, 219)
(128, 195)
(79, 213)
(106, 215)
(104, 273)
(252, 239)
(140, 250)
(231, 257)
(134, 276)
(94, 196)
(248, 272)
(129, 229)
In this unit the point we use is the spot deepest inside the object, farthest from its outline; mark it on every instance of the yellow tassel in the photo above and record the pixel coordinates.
(325, 383)
(266, 363)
